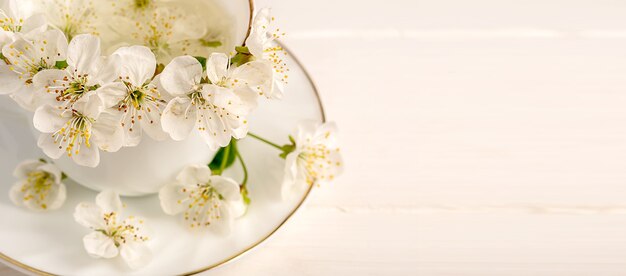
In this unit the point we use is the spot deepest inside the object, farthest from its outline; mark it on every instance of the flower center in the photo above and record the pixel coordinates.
(316, 159)
(121, 232)
(70, 90)
(37, 188)
(139, 102)
(10, 24)
(204, 206)
(137, 96)
(196, 96)
(75, 133)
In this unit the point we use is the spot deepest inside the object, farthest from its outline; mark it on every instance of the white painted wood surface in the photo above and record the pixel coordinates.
(481, 137)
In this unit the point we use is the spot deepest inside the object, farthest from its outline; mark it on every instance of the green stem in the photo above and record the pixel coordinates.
(224, 160)
(265, 141)
(245, 170)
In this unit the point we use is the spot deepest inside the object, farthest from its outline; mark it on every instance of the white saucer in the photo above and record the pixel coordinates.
(51, 243)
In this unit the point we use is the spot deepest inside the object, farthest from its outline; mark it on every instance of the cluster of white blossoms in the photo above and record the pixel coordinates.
(85, 102)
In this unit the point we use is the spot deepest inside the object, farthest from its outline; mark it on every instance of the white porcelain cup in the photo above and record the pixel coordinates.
(144, 169)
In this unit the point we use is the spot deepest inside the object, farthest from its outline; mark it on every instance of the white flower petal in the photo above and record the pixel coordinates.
(109, 70)
(16, 194)
(151, 124)
(179, 118)
(305, 131)
(56, 46)
(87, 155)
(107, 133)
(132, 132)
(90, 105)
(6, 37)
(34, 25)
(215, 134)
(217, 67)
(226, 187)
(48, 77)
(135, 254)
(290, 180)
(258, 36)
(238, 207)
(11, 82)
(326, 134)
(49, 119)
(194, 174)
(253, 73)
(109, 201)
(23, 169)
(83, 54)
(57, 199)
(247, 100)
(112, 93)
(28, 98)
(99, 245)
(181, 75)
(224, 224)
(89, 215)
(137, 63)
(173, 200)
(49, 146)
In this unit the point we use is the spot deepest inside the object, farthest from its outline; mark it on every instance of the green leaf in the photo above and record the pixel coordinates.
(210, 43)
(61, 64)
(202, 61)
(216, 164)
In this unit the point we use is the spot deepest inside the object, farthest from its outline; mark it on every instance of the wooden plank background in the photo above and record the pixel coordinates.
(481, 137)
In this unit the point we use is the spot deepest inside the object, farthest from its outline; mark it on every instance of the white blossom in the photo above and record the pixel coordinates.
(315, 159)
(80, 131)
(112, 235)
(83, 73)
(39, 187)
(261, 44)
(15, 20)
(218, 110)
(206, 201)
(134, 98)
(26, 57)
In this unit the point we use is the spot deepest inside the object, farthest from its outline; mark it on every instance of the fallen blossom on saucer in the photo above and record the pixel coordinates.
(315, 157)
(39, 187)
(111, 235)
(207, 201)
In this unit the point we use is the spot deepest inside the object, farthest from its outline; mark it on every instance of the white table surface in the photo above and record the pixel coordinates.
(481, 137)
